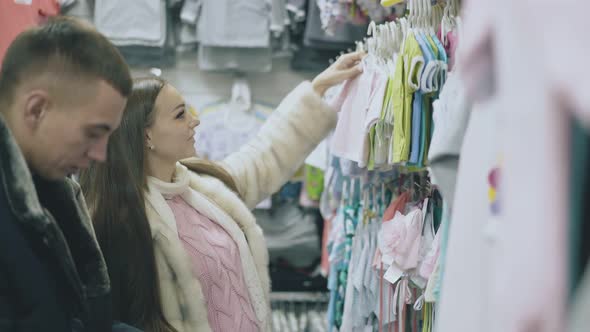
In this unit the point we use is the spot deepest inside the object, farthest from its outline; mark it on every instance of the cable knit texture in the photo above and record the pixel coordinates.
(260, 168)
(215, 261)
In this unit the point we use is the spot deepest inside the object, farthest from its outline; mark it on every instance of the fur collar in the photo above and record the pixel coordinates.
(54, 213)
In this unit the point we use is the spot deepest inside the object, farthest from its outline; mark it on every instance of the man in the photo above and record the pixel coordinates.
(63, 88)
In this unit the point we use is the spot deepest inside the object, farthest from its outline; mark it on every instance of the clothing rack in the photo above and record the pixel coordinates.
(299, 297)
(388, 219)
(299, 311)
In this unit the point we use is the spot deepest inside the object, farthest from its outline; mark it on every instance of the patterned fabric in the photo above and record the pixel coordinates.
(350, 222)
(216, 262)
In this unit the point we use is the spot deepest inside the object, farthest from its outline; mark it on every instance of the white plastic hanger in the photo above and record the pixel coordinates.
(371, 42)
(372, 30)
(241, 97)
(430, 14)
(444, 28)
(422, 14)
(238, 116)
(384, 41)
(410, 11)
(392, 32)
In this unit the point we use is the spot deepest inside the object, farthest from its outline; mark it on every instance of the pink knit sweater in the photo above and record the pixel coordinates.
(216, 262)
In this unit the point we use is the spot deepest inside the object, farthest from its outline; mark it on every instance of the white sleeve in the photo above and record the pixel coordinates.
(290, 134)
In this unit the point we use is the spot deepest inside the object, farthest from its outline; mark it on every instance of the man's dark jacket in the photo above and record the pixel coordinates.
(52, 273)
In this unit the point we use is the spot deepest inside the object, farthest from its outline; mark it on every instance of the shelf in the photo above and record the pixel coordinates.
(299, 297)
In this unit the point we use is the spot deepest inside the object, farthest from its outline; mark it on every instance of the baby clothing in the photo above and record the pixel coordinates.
(237, 23)
(358, 97)
(402, 238)
(18, 16)
(132, 22)
(405, 83)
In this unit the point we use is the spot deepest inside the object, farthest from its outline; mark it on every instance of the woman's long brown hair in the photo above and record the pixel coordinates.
(115, 194)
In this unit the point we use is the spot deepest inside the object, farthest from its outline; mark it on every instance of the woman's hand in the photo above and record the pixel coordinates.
(346, 67)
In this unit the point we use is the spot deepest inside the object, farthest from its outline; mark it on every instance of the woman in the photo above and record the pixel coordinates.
(183, 250)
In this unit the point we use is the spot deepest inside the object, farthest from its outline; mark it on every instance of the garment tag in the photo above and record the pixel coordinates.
(23, 2)
(419, 281)
(393, 274)
(265, 205)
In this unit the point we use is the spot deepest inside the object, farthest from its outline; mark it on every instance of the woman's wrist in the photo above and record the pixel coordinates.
(319, 88)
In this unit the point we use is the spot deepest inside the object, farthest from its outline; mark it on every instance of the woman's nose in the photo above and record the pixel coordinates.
(194, 122)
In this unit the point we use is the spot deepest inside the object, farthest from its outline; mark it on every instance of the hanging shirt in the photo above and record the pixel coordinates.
(236, 23)
(140, 22)
(419, 102)
(417, 106)
(216, 138)
(450, 115)
(16, 16)
(381, 134)
(465, 296)
(408, 69)
(373, 117)
(358, 97)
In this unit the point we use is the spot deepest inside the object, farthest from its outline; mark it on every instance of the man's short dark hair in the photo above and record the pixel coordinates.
(63, 47)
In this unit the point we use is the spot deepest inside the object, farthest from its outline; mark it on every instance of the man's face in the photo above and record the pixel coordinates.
(74, 131)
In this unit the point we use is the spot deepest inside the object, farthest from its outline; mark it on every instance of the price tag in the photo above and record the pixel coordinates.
(393, 274)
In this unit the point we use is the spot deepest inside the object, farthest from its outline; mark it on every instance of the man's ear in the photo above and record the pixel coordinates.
(37, 104)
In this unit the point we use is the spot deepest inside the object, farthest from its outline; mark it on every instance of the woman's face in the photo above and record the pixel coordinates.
(172, 132)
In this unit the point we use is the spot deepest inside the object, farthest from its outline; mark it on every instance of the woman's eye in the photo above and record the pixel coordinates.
(92, 135)
(180, 115)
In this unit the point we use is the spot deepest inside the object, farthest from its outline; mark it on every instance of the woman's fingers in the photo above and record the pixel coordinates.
(350, 59)
(349, 73)
(346, 67)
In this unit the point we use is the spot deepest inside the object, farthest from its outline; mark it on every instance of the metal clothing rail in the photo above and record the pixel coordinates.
(309, 297)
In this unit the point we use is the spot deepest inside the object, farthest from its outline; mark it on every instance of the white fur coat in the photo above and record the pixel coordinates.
(259, 169)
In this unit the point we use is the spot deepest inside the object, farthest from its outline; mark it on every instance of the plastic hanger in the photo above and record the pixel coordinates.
(238, 116)
(381, 41)
(393, 28)
(427, 19)
(445, 24)
(386, 41)
(411, 12)
(421, 14)
(372, 31)
(429, 15)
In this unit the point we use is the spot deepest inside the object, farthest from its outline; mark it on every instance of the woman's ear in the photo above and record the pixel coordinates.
(148, 140)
